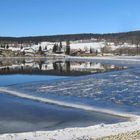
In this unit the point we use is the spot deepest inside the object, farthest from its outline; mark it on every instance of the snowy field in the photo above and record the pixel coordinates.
(116, 93)
(78, 45)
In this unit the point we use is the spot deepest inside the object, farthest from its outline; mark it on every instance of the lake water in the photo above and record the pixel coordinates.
(29, 76)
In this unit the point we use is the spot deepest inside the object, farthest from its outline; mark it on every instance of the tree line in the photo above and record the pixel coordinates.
(129, 37)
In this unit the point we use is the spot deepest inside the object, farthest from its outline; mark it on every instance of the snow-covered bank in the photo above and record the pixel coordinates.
(77, 133)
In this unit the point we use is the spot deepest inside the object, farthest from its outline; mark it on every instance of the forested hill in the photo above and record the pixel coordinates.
(130, 37)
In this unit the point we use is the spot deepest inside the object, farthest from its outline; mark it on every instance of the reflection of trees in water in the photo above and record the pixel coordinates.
(40, 63)
(63, 67)
(67, 66)
(23, 62)
(57, 66)
(20, 66)
(5, 69)
(11, 70)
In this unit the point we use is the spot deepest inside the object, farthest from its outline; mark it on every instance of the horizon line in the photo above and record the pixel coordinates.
(65, 34)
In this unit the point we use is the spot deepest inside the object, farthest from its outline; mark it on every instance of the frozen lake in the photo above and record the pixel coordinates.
(44, 94)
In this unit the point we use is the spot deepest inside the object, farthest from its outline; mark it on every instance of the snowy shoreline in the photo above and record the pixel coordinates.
(96, 131)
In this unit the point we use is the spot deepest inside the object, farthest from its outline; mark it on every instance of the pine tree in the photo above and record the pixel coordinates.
(67, 48)
(7, 47)
(91, 50)
(96, 52)
(21, 47)
(45, 47)
(54, 48)
(40, 50)
(61, 45)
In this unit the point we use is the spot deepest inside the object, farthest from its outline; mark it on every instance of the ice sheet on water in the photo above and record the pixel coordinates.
(114, 89)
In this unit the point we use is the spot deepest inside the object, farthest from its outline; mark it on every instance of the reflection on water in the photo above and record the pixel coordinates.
(53, 67)
(20, 115)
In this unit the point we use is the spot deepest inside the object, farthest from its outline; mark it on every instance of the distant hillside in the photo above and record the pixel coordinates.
(130, 37)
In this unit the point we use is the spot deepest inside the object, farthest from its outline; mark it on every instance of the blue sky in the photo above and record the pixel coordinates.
(49, 17)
